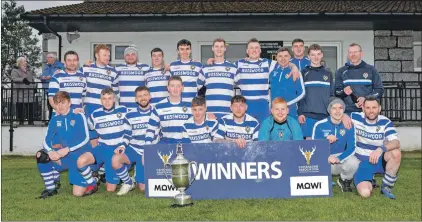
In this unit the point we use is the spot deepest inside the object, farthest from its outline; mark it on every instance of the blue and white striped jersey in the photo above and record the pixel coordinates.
(203, 133)
(229, 129)
(189, 73)
(218, 78)
(157, 80)
(167, 120)
(138, 119)
(130, 77)
(73, 83)
(97, 79)
(112, 126)
(252, 78)
(371, 136)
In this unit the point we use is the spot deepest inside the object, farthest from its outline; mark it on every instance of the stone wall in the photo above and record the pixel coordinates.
(393, 52)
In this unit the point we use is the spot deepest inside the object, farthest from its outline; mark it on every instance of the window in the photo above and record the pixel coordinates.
(116, 51)
(120, 52)
(233, 53)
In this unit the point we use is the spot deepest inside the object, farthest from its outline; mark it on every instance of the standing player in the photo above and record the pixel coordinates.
(356, 80)
(237, 127)
(187, 69)
(72, 132)
(377, 147)
(218, 78)
(283, 86)
(156, 78)
(126, 156)
(299, 59)
(169, 115)
(131, 75)
(198, 128)
(114, 131)
(319, 85)
(342, 143)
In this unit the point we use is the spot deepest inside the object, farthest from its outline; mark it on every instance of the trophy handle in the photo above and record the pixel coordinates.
(165, 173)
(194, 176)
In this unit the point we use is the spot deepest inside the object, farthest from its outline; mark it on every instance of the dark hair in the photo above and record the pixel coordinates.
(284, 49)
(184, 42)
(355, 44)
(198, 101)
(177, 78)
(107, 90)
(252, 40)
(238, 99)
(157, 50)
(314, 47)
(70, 53)
(371, 98)
(219, 40)
(141, 88)
(297, 40)
(60, 96)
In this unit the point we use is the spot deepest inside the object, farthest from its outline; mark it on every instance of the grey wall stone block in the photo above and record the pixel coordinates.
(407, 66)
(388, 66)
(386, 76)
(382, 33)
(401, 54)
(381, 54)
(405, 42)
(417, 36)
(405, 77)
(385, 42)
(403, 33)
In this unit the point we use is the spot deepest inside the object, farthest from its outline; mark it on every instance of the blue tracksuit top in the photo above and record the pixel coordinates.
(271, 130)
(301, 63)
(70, 130)
(364, 80)
(282, 85)
(319, 85)
(345, 143)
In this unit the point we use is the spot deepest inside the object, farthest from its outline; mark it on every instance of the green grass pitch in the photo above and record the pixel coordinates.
(21, 184)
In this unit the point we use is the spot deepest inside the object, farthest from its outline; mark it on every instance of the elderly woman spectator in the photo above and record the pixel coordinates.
(24, 91)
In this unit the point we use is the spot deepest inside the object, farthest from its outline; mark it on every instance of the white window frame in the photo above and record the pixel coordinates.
(416, 69)
(113, 50)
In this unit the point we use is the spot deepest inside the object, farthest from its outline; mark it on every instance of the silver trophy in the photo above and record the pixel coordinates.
(181, 177)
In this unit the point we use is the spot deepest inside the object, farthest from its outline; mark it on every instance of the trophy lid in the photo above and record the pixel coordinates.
(180, 158)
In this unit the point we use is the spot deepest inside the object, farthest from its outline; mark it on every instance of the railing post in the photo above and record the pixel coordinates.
(11, 119)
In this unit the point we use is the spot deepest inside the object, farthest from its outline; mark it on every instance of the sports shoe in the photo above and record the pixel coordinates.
(102, 178)
(387, 192)
(48, 193)
(126, 188)
(344, 185)
(91, 189)
(374, 184)
(58, 184)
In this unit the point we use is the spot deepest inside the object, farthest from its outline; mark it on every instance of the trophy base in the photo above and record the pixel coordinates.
(182, 200)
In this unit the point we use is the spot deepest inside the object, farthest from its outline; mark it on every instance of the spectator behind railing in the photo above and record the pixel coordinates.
(24, 90)
(50, 68)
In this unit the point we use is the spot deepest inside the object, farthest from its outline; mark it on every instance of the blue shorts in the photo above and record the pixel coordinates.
(103, 155)
(136, 158)
(366, 170)
(258, 109)
(308, 126)
(69, 163)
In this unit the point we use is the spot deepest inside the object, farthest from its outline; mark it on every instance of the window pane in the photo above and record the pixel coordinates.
(119, 52)
(418, 57)
(108, 45)
(233, 53)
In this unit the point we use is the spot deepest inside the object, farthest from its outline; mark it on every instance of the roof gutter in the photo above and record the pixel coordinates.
(56, 34)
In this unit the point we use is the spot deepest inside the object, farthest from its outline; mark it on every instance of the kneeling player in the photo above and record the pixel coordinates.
(114, 132)
(72, 131)
(377, 147)
(134, 154)
(198, 128)
(342, 141)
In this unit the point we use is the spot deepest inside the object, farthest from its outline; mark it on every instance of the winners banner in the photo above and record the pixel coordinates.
(272, 169)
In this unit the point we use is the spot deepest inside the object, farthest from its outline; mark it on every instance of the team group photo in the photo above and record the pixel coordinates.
(244, 130)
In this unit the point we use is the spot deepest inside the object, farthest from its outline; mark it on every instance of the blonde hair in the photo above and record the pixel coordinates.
(20, 60)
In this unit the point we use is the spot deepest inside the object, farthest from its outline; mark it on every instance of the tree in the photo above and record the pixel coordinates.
(17, 39)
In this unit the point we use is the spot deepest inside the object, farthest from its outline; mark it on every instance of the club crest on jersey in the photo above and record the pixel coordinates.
(207, 128)
(342, 132)
(72, 122)
(185, 109)
(108, 72)
(287, 75)
(280, 134)
(247, 129)
(325, 78)
(119, 115)
(80, 78)
(192, 67)
(227, 68)
(365, 75)
(378, 128)
(275, 74)
(140, 68)
(59, 123)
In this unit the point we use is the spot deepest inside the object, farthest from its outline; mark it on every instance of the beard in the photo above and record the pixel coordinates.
(367, 116)
(143, 105)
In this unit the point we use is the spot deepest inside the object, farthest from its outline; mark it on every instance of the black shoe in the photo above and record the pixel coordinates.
(102, 178)
(96, 177)
(58, 184)
(91, 189)
(48, 193)
(344, 185)
(374, 184)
